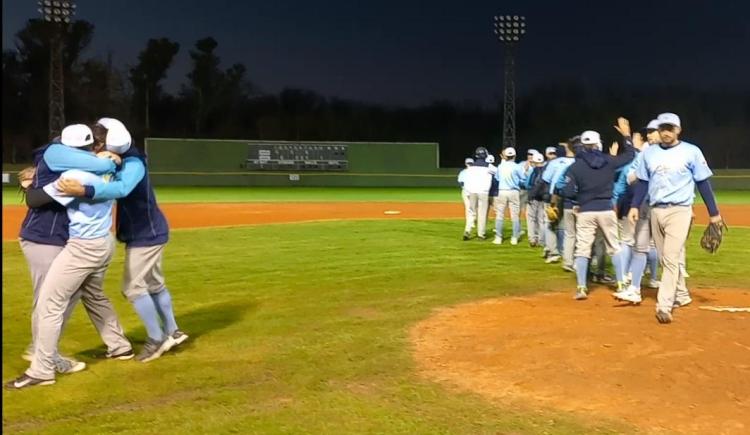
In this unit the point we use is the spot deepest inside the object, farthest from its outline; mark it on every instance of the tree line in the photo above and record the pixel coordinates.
(221, 102)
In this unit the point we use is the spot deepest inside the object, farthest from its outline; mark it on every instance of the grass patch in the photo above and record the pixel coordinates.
(328, 194)
(299, 329)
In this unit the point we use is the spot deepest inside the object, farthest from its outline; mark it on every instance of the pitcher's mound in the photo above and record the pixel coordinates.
(600, 357)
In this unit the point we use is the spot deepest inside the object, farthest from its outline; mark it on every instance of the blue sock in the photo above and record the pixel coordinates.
(637, 266)
(626, 254)
(653, 263)
(618, 264)
(163, 302)
(146, 310)
(516, 228)
(560, 238)
(582, 269)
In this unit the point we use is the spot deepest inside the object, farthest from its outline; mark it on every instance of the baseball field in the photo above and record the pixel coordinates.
(336, 310)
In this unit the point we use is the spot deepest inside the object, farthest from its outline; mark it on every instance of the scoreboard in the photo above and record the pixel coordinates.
(297, 157)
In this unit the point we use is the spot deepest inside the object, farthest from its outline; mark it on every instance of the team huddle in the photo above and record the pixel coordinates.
(67, 243)
(633, 204)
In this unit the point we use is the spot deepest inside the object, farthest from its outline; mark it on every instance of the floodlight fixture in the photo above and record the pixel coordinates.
(56, 11)
(509, 28)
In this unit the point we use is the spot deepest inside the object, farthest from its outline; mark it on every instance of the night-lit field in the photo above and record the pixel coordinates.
(304, 328)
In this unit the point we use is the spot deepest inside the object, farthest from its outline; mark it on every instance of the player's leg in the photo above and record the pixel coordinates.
(103, 316)
(532, 214)
(151, 259)
(569, 244)
(501, 203)
(607, 223)
(135, 288)
(469, 212)
(585, 233)
(514, 201)
(550, 240)
(670, 227)
(68, 272)
(627, 240)
(483, 201)
(39, 258)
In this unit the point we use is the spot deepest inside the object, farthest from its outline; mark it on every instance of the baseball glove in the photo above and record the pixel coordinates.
(713, 235)
(552, 214)
(26, 177)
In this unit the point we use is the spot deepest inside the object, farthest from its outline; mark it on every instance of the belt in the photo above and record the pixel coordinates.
(667, 204)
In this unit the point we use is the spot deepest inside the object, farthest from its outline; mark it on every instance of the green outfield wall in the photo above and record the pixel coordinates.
(197, 162)
(208, 162)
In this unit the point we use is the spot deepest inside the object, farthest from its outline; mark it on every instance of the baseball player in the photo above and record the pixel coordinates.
(143, 228)
(470, 214)
(44, 233)
(477, 183)
(535, 210)
(85, 258)
(553, 171)
(669, 174)
(528, 166)
(569, 215)
(510, 177)
(635, 239)
(590, 181)
(492, 197)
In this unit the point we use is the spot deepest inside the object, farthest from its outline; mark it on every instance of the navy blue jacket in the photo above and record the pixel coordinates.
(140, 222)
(590, 179)
(47, 225)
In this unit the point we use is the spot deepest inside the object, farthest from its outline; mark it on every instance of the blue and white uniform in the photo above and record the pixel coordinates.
(670, 175)
(510, 177)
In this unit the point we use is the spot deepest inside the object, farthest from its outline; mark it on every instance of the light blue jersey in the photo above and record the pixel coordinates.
(509, 175)
(88, 219)
(557, 171)
(672, 173)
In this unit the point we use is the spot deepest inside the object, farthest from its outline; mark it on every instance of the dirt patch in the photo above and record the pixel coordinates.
(599, 358)
(213, 215)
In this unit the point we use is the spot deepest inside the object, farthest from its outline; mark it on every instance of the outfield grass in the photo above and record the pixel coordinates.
(300, 329)
(328, 194)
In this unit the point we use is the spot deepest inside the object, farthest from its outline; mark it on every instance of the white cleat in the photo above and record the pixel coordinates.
(652, 283)
(497, 241)
(630, 294)
(513, 241)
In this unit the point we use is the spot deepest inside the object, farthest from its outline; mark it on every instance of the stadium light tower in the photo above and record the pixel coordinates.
(57, 15)
(509, 30)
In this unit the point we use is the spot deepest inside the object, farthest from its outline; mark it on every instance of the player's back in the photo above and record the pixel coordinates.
(88, 219)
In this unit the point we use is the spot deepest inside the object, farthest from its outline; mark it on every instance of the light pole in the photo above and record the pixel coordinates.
(57, 15)
(509, 30)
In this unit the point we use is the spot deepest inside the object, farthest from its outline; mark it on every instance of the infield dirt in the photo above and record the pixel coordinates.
(599, 358)
(218, 214)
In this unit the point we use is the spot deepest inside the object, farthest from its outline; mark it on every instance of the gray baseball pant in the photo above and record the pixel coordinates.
(39, 257)
(80, 265)
(508, 199)
(480, 203)
(670, 227)
(569, 243)
(550, 236)
(143, 272)
(535, 220)
(471, 214)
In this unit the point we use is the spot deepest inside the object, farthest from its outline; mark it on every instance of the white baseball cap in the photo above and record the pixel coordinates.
(490, 159)
(537, 158)
(668, 118)
(509, 152)
(118, 139)
(77, 136)
(551, 150)
(468, 161)
(532, 151)
(652, 125)
(110, 123)
(590, 137)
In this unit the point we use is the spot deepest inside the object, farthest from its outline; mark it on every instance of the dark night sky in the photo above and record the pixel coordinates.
(414, 52)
